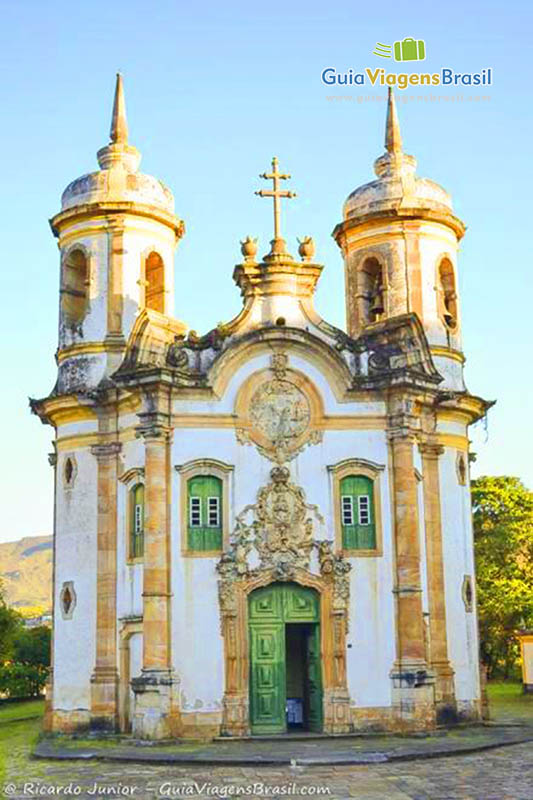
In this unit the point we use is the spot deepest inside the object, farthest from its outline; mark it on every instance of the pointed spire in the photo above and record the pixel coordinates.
(393, 137)
(119, 123)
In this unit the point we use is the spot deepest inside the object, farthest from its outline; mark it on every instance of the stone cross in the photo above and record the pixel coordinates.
(276, 193)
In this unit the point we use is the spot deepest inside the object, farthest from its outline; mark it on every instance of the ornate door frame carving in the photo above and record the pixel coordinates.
(280, 537)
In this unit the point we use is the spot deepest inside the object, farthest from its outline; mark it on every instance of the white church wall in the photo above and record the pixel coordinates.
(74, 638)
(458, 562)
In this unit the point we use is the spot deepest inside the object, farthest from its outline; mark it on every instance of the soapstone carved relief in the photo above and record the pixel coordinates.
(277, 534)
(279, 416)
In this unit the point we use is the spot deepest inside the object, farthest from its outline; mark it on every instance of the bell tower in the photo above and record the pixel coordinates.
(116, 233)
(399, 239)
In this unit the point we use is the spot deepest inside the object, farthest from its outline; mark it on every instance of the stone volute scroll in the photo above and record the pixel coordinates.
(278, 411)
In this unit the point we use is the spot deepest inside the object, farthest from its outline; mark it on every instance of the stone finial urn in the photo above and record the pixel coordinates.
(249, 248)
(306, 248)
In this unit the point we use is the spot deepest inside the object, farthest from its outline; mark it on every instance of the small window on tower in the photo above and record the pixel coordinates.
(67, 600)
(447, 294)
(74, 287)
(155, 282)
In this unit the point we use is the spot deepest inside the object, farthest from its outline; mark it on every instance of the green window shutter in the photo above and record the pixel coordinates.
(357, 513)
(204, 529)
(137, 521)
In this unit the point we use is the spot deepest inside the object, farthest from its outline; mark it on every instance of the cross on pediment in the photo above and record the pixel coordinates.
(276, 193)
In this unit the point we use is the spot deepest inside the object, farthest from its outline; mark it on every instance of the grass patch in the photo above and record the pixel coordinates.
(508, 702)
(22, 709)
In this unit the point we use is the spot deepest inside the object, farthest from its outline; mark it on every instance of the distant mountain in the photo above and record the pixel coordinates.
(26, 572)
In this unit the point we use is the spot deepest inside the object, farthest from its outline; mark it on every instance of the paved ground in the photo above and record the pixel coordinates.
(289, 750)
(500, 774)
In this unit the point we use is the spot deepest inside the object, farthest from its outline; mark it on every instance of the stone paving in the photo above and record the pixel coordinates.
(504, 773)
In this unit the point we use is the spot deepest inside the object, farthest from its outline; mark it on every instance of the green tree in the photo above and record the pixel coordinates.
(32, 646)
(10, 624)
(503, 540)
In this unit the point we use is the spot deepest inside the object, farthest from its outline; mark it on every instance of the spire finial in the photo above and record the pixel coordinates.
(119, 123)
(393, 137)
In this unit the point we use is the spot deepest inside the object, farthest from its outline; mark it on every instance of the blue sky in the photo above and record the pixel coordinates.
(213, 91)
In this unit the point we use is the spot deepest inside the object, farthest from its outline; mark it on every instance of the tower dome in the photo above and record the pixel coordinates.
(397, 186)
(118, 177)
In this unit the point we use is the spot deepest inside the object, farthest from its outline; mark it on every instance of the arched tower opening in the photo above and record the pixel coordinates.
(447, 294)
(75, 284)
(155, 282)
(371, 290)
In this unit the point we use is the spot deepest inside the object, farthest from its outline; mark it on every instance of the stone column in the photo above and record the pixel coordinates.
(156, 714)
(440, 665)
(104, 680)
(412, 683)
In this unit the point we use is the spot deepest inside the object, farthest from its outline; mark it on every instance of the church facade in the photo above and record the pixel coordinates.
(267, 527)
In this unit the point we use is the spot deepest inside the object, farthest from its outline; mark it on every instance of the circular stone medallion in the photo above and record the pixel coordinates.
(280, 411)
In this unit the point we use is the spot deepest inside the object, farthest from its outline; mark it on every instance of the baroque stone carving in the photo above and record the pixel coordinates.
(279, 416)
(278, 530)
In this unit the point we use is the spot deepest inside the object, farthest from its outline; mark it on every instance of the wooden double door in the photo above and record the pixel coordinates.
(285, 664)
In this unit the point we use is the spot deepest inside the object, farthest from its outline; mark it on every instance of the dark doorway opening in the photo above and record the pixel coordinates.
(299, 639)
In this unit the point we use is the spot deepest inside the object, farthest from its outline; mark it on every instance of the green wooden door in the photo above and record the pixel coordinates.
(314, 680)
(270, 608)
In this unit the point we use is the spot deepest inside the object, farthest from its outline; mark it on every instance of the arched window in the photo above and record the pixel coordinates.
(204, 503)
(74, 294)
(447, 294)
(357, 513)
(137, 521)
(372, 290)
(155, 282)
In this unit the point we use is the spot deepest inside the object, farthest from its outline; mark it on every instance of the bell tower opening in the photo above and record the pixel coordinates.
(74, 294)
(371, 291)
(447, 294)
(155, 282)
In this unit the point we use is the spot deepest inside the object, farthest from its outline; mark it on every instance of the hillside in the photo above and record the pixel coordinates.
(26, 572)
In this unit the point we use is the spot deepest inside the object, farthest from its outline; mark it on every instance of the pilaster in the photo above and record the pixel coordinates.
(156, 714)
(440, 665)
(104, 680)
(413, 691)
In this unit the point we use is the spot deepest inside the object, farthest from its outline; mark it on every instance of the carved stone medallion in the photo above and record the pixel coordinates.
(279, 417)
(280, 410)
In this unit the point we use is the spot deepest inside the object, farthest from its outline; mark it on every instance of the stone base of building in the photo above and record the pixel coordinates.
(104, 700)
(413, 699)
(60, 721)
(156, 712)
(235, 714)
(446, 706)
(469, 711)
(201, 725)
(337, 712)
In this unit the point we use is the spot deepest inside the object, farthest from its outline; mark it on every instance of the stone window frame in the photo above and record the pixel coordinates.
(462, 480)
(131, 478)
(369, 469)
(70, 586)
(69, 484)
(195, 468)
